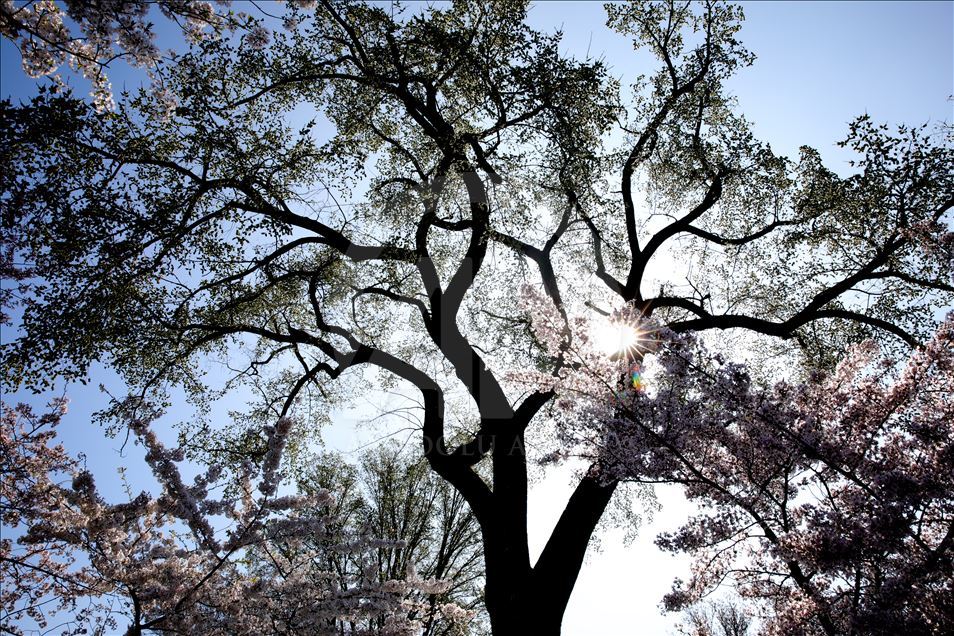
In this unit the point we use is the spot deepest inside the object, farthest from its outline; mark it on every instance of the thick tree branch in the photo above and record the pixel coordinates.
(608, 279)
(638, 266)
(555, 572)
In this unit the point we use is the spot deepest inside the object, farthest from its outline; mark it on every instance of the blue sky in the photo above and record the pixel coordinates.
(818, 66)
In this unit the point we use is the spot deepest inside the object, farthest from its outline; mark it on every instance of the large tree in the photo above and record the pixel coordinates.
(369, 190)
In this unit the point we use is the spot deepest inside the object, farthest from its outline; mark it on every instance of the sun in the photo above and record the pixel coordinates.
(619, 339)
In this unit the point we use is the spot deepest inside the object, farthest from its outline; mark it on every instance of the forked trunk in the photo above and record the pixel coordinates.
(526, 601)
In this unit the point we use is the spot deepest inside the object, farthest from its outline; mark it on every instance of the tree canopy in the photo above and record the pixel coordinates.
(371, 187)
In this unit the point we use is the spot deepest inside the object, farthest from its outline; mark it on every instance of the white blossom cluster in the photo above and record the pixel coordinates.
(87, 36)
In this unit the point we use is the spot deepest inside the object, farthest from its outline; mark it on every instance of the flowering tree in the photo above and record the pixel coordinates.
(455, 154)
(160, 564)
(831, 501)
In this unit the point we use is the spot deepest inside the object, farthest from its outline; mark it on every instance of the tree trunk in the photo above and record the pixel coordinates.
(523, 600)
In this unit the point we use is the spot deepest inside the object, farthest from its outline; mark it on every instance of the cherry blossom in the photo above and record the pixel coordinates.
(88, 36)
(829, 503)
(246, 562)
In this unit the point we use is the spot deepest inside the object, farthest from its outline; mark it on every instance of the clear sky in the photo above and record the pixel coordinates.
(819, 65)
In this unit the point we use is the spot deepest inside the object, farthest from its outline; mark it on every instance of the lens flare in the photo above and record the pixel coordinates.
(636, 376)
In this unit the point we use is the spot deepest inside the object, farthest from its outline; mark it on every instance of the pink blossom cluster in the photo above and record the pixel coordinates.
(88, 36)
(590, 383)
(249, 562)
(33, 573)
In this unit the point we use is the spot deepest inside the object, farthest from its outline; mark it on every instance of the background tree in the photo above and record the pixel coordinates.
(455, 154)
(399, 499)
(717, 618)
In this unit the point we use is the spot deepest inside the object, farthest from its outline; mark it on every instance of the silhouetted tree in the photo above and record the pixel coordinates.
(369, 189)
